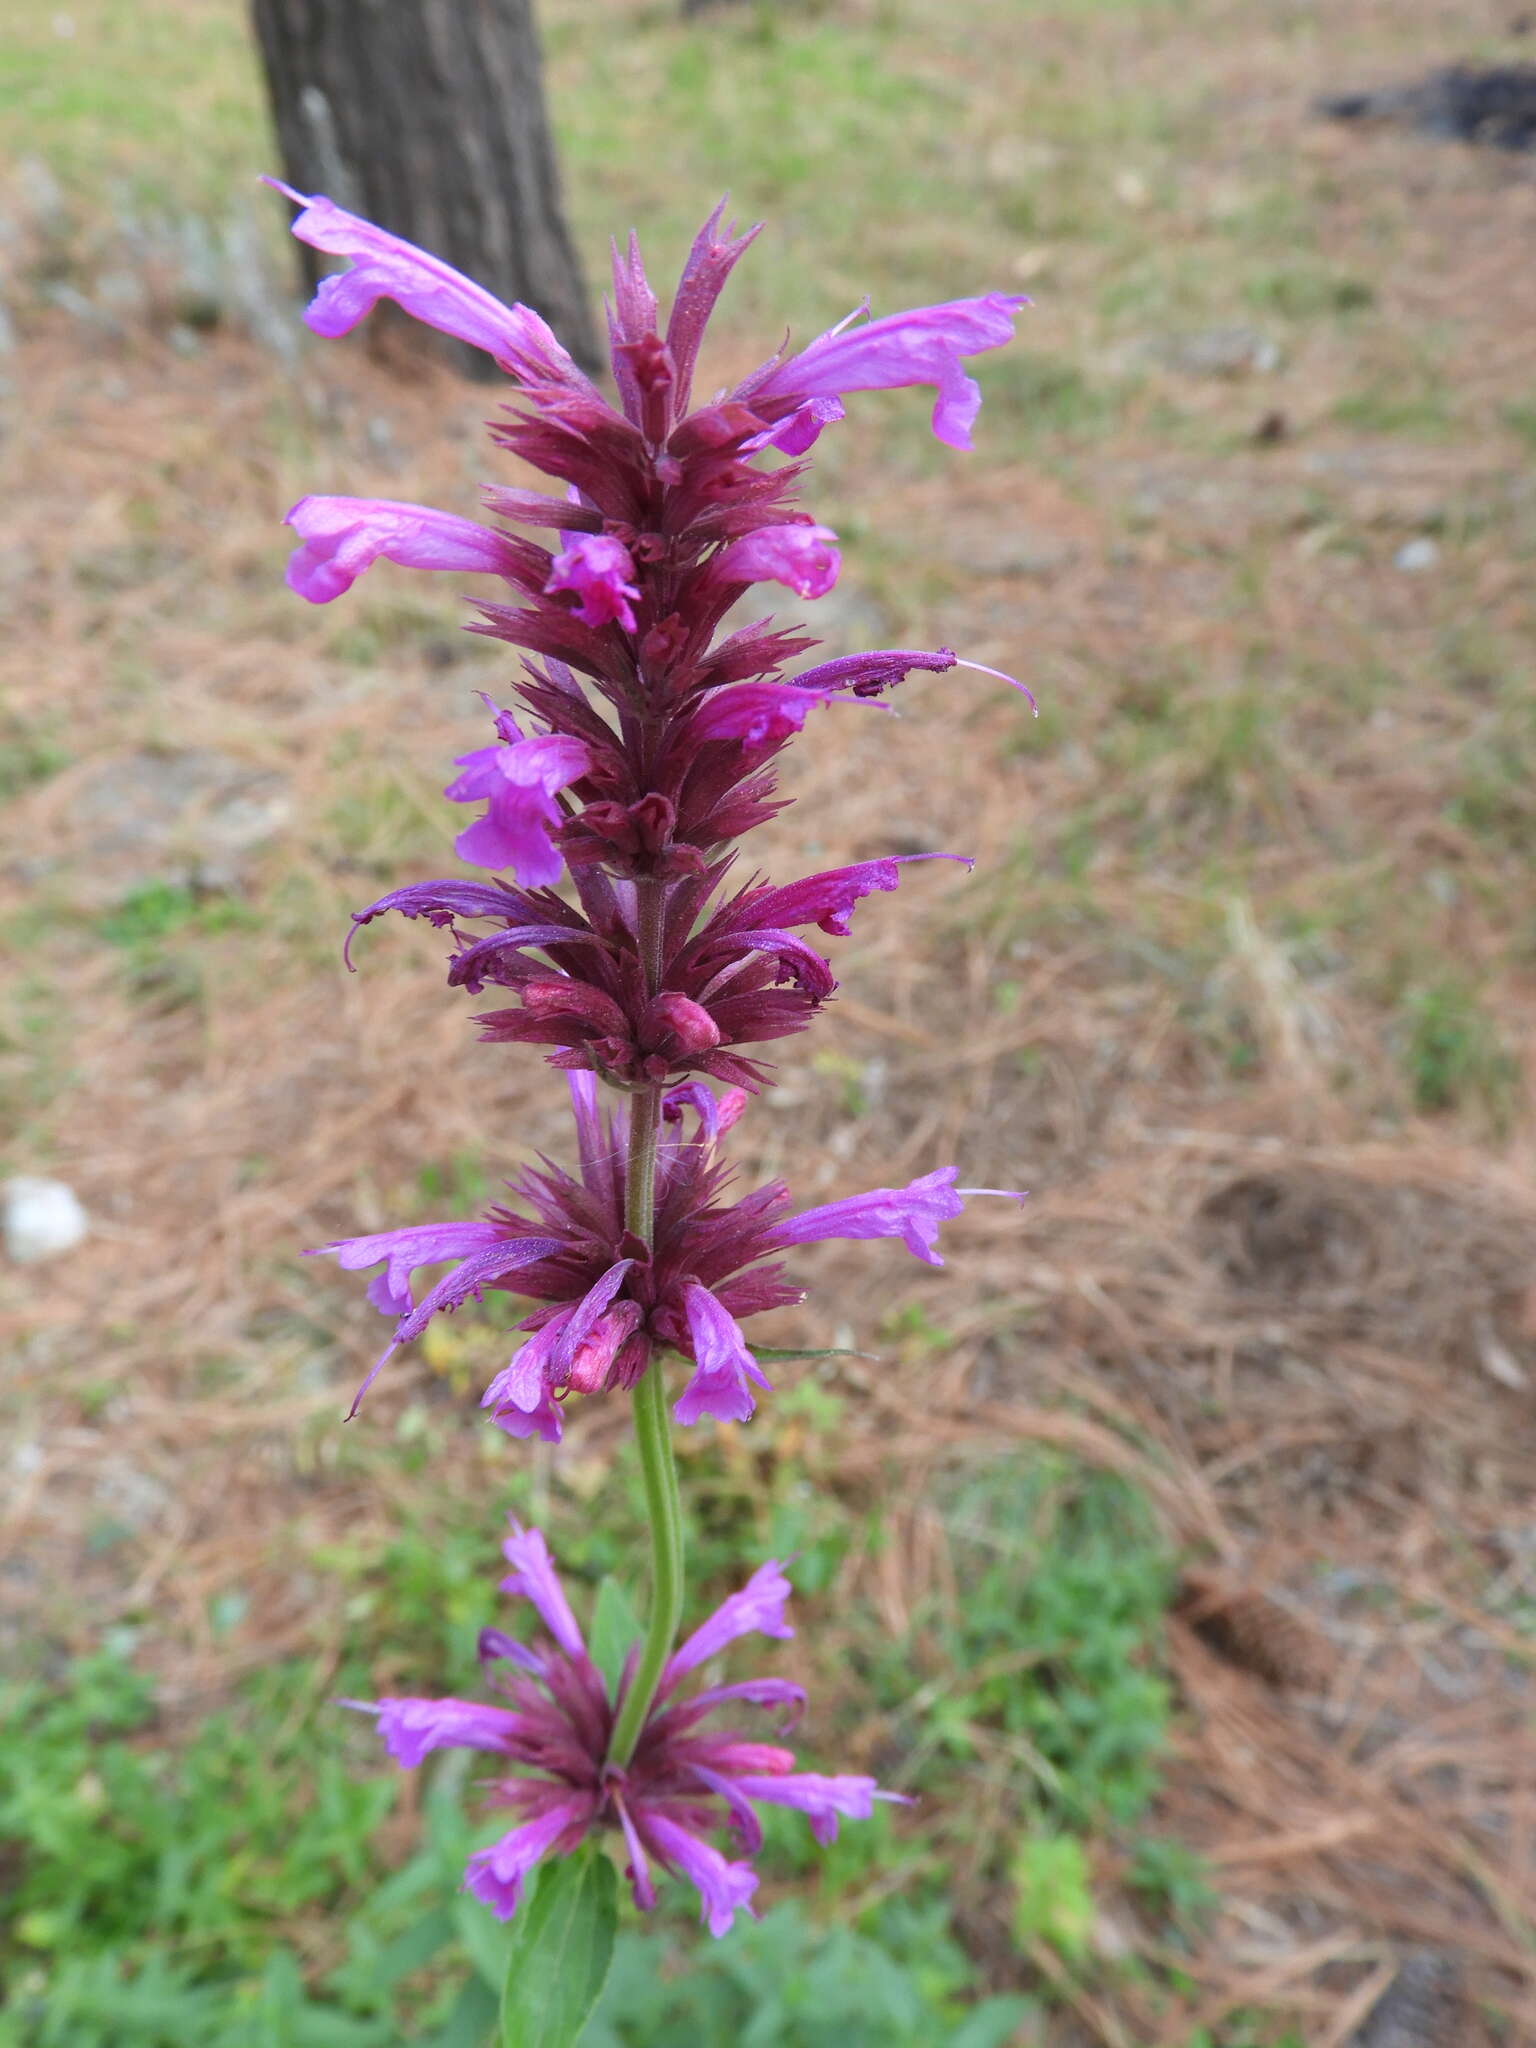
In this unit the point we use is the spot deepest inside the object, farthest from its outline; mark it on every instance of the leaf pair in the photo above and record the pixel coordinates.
(562, 1945)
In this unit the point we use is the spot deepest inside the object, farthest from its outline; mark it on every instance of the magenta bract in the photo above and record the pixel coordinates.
(607, 1304)
(670, 515)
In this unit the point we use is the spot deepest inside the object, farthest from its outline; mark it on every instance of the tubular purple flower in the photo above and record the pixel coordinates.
(719, 1386)
(924, 346)
(519, 783)
(403, 1251)
(497, 1875)
(557, 1771)
(758, 1609)
(912, 1213)
(413, 1728)
(468, 1279)
(601, 573)
(822, 1800)
(521, 1391)
(724, 1887)
(867, 674)
(344, 536)
(760, 714)
(385, 267)
(803, 558)
(828, 899)
(533, 1578)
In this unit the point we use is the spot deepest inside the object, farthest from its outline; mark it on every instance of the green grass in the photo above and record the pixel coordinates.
(1417, 408)
(209, 1877)
(163, 98)
(1453, 1052)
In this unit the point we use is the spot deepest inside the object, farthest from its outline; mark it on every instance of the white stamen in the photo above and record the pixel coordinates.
(982, 670)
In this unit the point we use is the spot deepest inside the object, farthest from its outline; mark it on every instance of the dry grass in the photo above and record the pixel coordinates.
(1173, 1001)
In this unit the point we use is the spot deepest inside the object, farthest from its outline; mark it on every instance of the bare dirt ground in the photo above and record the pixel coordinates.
(1277, 1266)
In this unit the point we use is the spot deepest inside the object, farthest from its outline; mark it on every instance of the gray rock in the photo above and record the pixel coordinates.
(124, 292)
(194, 817)
(71, 300)
(1417, 557)
(1217, 352)
(40, 1219)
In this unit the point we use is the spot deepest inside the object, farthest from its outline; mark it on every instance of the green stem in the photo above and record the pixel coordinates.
(653, 1429)
(653, 1433)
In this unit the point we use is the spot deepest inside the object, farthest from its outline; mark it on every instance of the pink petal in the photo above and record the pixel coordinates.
(821, 1799)
(425, 1244)
(523, 1383)
(758, 1609)
(912, 1213)
(725, 1888)
(535, 1579)
(803, 558)
(924, 346)
(724, 1365)
(601, 573)
(344, 536)
(385, 267)
(412, 1728)
(496, 1875)
(519, 783)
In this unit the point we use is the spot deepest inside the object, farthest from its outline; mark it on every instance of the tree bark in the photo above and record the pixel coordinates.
(427, 117)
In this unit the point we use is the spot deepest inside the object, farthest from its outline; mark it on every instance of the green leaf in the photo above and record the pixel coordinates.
(562, 1944)
(1052, 1894)
(485, 1940)
(615, 1627)
(993, 2023)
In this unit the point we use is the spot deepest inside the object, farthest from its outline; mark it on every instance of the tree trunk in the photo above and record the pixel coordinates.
(427, 117)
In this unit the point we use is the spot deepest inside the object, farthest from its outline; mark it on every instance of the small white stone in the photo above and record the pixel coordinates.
(41, 1218)
(1415, 557)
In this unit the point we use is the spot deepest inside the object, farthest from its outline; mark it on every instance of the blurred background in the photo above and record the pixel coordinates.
(1177, 1549)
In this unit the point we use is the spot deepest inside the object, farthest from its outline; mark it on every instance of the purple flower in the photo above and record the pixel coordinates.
(385, 267)
(759, 715)
(668, 514)
(606, 1311)
(344, 536)
(803, 558)
(925, 346)
(412, 1729)
(866, 675)
(518, 780)
(684, 1782)
(912, 1213)
(403, 1251)
(732, 972)
(758, 1609)
(725, 1371)
(598, 569)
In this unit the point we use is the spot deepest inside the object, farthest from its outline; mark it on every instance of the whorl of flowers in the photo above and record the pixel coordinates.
(552, 1725)
(637, 748)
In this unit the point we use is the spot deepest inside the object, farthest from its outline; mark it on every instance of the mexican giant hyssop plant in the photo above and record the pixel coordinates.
(616, 928)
